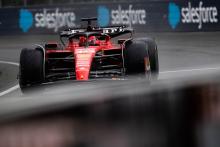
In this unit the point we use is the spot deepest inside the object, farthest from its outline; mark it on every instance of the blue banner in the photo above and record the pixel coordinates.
(158, 16)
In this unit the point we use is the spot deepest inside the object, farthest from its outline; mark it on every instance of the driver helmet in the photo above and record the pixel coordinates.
(92, 40)
(82, 41)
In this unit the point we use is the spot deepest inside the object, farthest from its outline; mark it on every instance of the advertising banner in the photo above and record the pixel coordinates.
(156, 16)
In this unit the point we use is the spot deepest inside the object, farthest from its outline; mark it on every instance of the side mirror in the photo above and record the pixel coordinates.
(52, 46)
(121, 41)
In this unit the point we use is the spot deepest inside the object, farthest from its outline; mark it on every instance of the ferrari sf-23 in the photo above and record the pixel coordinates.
(89, 53)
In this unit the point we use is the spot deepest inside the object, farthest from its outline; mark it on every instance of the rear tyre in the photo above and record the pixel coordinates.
(141, 58)
(31, 68)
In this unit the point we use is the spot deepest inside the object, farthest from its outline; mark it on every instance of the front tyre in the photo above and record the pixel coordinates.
(31, 68)
(141, 58)
(153, 58)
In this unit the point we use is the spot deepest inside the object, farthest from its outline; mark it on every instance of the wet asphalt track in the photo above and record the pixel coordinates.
(180, 54)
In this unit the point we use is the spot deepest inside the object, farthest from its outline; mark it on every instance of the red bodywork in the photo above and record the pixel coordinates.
(84, 55)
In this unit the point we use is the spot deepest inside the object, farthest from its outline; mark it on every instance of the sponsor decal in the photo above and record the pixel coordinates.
(83, 56)
(120, 16)
(103, 16)
(199, 15)
(192, 15)
(49, 19)
(85, 51)
(83, 60)
(54, 19)
(25, 20)
(174, 15)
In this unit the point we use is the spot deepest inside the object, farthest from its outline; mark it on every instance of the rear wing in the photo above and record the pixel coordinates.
(112, 31)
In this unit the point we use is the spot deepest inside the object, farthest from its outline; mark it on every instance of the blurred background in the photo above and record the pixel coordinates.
(14, 3)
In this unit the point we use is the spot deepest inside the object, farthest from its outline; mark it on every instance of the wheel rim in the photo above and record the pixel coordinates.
(147, 68)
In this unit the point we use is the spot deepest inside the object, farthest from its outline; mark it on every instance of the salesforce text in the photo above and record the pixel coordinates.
(128, 16)
(199, 14)
(54, 20)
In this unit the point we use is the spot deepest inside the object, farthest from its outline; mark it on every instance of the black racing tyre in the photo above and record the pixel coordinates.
(31, 68)
(136, 51)
(134, 54)
(153, 56)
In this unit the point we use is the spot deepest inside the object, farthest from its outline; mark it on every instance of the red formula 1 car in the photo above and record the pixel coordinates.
(87, 53)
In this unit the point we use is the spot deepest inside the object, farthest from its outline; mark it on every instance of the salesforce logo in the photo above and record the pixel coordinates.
(121, 16)
(192, 15)
(25, 20)
(174, 15)
(53, 19)
(103, 16)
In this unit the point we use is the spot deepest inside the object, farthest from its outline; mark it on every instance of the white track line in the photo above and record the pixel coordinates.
(11, 63)
(9, 90)
(190, 70)
(14, 87)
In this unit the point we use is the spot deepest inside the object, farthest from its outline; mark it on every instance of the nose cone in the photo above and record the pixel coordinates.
(82, 74)
(83, 63)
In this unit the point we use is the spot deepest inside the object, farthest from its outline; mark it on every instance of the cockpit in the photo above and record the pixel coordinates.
(88, 39)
